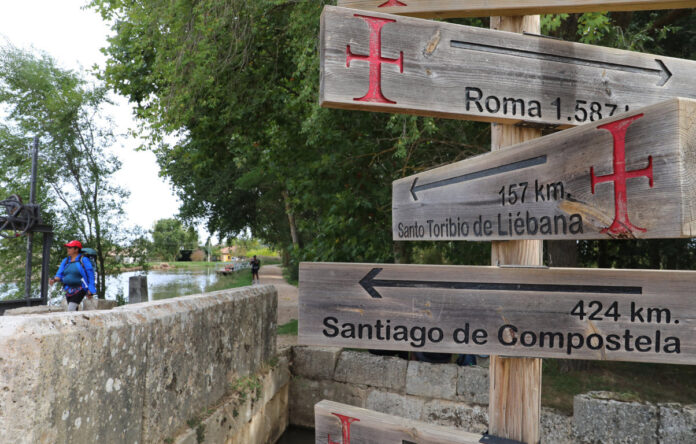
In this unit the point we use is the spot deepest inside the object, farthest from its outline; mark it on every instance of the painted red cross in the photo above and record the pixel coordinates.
(621, 224)
(392, 3)
(345, 428)
(374, 93)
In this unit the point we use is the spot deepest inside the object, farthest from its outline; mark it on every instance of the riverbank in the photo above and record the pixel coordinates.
(191, 264)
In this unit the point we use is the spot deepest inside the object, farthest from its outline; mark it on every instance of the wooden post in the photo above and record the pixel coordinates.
(514, 410)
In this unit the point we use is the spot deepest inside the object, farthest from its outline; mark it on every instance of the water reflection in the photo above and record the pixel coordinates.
(163, 284)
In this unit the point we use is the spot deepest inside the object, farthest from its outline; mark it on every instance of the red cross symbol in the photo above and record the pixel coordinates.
(621, 224)
(374, 93)
(345, 428)
(392, 3)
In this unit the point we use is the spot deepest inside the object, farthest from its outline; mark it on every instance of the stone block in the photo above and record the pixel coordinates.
(598, 418)
(39, 309)
(473, 384)
(239, 337)
(472, 419)
(315, 362)
(137, 289)
(373, 370)
(556, 428)
(677, 424)
(97, 304)
(304, 393)
(396, 404)
(432, 380)
(246, 416)
(131, 374)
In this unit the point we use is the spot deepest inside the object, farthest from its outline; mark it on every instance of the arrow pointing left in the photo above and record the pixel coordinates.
(368, 282)
(514, 166)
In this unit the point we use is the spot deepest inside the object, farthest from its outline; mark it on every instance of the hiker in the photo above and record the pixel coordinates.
(76, 274)
(255, 265)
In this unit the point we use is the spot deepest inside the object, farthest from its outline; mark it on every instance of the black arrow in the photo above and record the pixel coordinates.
(369, 283)
(478, 174)
(662, 71)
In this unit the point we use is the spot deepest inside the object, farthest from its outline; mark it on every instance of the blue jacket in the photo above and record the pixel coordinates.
(86, 271)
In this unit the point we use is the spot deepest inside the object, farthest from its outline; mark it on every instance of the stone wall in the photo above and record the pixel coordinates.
(455, 396)
(132, 374)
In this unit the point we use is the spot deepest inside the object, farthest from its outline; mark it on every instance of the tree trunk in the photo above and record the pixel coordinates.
(291, 221)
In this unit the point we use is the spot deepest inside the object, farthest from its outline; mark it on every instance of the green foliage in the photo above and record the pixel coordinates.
(237, 82)
(120, 298)
(169, 236)
(76, 162)
(288, 329)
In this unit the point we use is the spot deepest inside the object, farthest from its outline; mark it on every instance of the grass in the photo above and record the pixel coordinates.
(241, 278)
(288, 329)
(186, 264)
(288, 278)
(631, 382)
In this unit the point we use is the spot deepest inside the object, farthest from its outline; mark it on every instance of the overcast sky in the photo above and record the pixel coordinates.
(73, 36)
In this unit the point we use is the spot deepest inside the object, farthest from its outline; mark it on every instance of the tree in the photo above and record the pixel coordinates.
(255, 150)
(76, 162)
(169, 237)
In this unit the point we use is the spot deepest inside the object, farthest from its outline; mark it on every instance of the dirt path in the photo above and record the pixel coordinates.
(287, 294)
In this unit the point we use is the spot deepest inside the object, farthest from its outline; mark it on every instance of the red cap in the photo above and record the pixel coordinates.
(74, 243)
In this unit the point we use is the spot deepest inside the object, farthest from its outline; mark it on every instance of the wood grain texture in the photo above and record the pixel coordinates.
(480, 8)
(455, 201)
(336, 310)
(464, 72)
(514, 408)
(370, 427)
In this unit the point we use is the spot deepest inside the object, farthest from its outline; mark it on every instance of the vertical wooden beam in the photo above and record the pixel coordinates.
(515, 383)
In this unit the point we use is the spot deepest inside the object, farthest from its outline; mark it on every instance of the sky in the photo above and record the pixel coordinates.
(73, 37)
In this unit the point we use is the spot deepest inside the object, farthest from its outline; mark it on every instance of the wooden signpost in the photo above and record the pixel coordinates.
(381, 62)
(477, 8)
(566, 313)
(344, 424)
(626, 177)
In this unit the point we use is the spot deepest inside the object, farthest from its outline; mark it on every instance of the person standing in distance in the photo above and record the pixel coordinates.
(255, 266)
(76, 274)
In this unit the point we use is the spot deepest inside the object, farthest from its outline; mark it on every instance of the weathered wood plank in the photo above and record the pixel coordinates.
(627, 315)
(582, 183)
(440, 69)
(480, 8)
(514, 407)
(345, 424)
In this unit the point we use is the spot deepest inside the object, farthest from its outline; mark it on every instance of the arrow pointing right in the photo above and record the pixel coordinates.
(662, 71)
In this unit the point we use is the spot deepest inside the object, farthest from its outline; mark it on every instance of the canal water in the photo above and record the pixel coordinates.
(163, 284)
(297, 435)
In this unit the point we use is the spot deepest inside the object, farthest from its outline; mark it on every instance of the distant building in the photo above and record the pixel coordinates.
(228, 253)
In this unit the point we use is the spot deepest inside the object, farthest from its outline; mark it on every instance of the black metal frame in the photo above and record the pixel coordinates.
(46, 250)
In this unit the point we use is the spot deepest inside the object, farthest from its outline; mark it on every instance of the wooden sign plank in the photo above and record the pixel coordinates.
(480, 8)
(382, 62)
(625, 177)
(344, 424)
(569, 313)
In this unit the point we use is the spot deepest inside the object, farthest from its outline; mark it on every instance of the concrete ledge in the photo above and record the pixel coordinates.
(131, 374)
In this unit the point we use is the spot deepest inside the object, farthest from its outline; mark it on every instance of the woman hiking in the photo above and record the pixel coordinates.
(76, 274)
